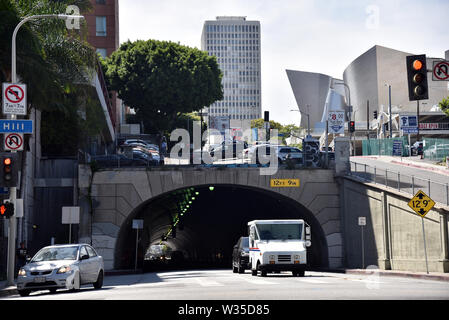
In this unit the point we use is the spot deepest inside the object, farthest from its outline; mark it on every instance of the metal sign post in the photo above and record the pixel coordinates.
(137, 224)
(362, 222)
(70, 215)
(421, 203)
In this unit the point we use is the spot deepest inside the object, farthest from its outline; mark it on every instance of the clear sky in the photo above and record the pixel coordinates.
(322, 36)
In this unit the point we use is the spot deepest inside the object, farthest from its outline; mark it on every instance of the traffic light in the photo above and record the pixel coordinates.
(266, 116)
(10, 169)
(7, 209)
(417, 77)
(311, 152)
(351, 126)
(375, 114)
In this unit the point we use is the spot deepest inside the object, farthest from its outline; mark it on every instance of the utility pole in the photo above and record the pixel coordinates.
(367, 119)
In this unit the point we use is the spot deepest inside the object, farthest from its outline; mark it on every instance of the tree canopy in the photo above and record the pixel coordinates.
(162, 79)
(444, 105)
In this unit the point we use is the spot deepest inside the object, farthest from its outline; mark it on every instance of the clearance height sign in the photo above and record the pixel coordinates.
(277, 183)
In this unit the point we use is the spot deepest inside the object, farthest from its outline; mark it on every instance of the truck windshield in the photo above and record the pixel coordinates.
(280, 231)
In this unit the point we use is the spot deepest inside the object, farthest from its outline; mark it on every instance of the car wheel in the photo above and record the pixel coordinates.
(279, 161)
(24, 293)
(254, 272)
(240, 269)
(263, 273)
(99, 283)
(234, 269)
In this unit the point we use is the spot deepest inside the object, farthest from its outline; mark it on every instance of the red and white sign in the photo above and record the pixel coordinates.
(13, 141)
(428, 126)
(440, 71)
(14, 99)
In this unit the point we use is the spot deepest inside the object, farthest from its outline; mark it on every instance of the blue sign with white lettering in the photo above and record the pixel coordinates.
(16, 126)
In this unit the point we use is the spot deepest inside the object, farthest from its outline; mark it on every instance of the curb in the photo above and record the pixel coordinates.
(443, 171)
(392, 274)
(9, 291)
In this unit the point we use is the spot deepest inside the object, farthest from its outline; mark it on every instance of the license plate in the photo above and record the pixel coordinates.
(39, 279)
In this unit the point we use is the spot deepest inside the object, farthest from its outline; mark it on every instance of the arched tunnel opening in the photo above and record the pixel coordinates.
(197, 227)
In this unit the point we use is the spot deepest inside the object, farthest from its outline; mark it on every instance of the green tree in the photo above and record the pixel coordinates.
(444, 105)
(162, 80)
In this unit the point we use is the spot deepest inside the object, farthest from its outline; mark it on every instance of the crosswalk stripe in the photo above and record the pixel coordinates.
(208, 283)
(311, 280)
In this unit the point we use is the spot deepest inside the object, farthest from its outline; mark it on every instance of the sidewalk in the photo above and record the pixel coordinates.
(7, 290)
(414, 161)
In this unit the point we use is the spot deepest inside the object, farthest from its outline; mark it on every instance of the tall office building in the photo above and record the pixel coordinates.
(235, 42)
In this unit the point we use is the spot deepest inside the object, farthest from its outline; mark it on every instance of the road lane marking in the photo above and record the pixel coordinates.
(311, 280)
(208, 283)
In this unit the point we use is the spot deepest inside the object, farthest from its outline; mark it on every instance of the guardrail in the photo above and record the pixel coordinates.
(439, 192)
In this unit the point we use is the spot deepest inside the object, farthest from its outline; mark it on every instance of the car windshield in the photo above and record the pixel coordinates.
(61, 253)
(281, 231)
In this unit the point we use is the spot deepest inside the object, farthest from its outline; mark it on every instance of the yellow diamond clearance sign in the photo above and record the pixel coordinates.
(421, 203)
(277, 183)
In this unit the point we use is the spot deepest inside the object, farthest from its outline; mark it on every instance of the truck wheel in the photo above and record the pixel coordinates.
(254, 272)
(263, 273)
(240, 269)
(234, 269)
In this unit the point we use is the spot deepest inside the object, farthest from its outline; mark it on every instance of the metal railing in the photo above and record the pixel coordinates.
(437, 191)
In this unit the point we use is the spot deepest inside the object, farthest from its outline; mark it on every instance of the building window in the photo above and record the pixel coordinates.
(102, 51)
(101, 26)
(100, 1)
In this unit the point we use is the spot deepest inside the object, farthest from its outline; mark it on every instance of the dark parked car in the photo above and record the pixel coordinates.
(240, 256)
(118, 160)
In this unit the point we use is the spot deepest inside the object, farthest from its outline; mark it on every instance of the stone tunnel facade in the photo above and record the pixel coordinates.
(108, 198)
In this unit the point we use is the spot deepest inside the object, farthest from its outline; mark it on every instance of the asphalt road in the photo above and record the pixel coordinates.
(225, 285)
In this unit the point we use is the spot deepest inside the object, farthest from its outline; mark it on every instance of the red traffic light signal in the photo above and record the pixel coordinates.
(10, 168)
(351, 126)
(7, 210)
(417, 77)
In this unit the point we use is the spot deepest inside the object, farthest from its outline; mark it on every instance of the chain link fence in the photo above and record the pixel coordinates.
(439, 192)
(436, 149)
(386, 147)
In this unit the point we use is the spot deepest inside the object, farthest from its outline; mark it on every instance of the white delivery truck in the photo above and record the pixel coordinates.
(278, 245)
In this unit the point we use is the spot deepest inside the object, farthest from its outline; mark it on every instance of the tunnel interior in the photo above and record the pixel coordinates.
(200, 225)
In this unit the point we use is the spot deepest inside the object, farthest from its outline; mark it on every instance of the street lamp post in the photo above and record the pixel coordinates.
(13, 190)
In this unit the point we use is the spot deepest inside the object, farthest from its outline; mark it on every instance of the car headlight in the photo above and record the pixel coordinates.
(22, 272)
(64, 269)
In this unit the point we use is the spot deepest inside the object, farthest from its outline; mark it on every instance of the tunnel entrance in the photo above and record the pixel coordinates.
(197, 227)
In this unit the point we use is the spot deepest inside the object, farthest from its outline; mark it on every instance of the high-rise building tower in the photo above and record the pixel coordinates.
(235, 42)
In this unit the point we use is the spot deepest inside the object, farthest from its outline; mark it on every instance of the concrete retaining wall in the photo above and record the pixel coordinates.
(393, 236)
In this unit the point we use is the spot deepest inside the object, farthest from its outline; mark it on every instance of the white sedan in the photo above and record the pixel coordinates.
(61, 267)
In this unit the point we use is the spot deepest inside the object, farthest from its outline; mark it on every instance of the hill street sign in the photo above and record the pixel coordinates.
(16, 126)
(421, 203)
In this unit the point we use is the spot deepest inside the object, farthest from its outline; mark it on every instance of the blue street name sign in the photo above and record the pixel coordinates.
(16, 126)
(4, 190)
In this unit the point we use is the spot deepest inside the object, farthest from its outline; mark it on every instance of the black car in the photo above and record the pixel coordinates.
(240, 256)
(233, 149)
